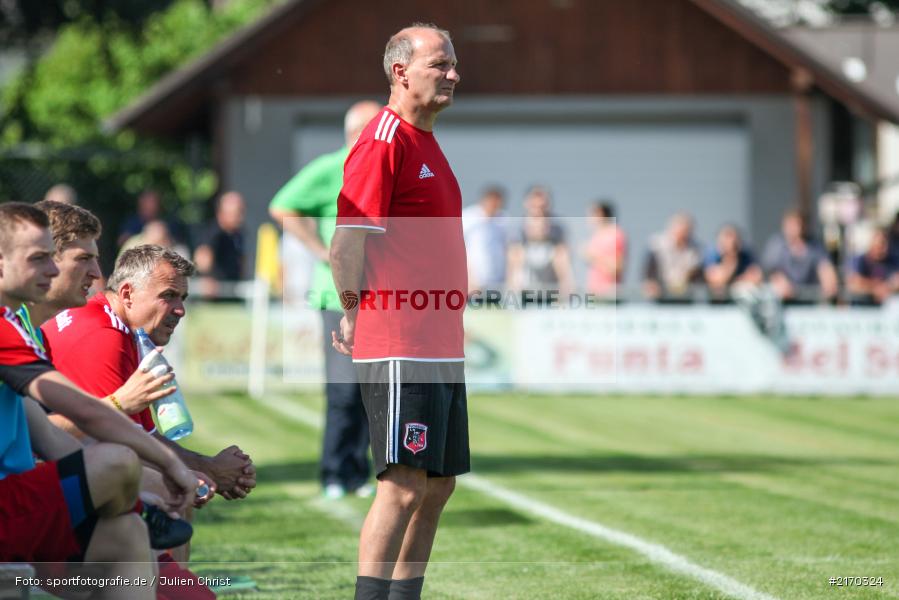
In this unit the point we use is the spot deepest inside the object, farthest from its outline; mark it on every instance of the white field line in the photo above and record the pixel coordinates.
(655, 553)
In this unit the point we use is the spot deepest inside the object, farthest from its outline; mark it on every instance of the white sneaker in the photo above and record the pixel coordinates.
(366, 490)
(334, 491)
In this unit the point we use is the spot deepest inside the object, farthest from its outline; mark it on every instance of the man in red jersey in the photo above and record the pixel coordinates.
(398, 259)
(78, 505)
(94, 346)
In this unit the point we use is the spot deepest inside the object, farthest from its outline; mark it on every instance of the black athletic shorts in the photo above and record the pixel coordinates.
(417, 415)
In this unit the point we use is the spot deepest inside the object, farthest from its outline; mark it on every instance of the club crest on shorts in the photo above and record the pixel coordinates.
(416, 438)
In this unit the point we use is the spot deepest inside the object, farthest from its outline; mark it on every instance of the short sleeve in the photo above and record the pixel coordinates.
(20, 376)
(16, 346)
(369, 176)
(311, 189)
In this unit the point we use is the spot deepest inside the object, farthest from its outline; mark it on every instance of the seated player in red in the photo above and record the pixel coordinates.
(78, 505)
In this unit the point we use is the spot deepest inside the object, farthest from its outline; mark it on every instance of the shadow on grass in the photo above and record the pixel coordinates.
(486, 517)
(709, 463)
(287, 472)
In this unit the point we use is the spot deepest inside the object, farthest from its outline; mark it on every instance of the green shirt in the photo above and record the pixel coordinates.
(313, 193)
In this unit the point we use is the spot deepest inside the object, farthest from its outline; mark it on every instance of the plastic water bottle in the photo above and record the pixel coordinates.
(170, 413)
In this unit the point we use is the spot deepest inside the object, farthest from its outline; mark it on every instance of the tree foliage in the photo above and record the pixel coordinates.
(104, 55)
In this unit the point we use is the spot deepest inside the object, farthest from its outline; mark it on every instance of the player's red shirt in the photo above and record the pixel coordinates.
(16, 346)
(398, 183)
(95, 349)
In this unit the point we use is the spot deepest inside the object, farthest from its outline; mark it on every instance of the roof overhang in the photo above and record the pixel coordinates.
(190, 89)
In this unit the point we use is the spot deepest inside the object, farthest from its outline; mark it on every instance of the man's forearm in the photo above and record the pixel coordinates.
(193, 460)
(65, 424)
(48, 442)
(347, 265)
(305, 229)
(96, 419)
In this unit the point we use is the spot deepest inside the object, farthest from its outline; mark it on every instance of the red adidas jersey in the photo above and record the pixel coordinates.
(95, 349)
(398, 183)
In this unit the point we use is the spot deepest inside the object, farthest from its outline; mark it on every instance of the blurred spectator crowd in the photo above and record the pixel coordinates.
(534, 253)
(217, 246)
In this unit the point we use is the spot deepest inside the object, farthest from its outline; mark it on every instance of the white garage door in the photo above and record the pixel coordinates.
(649, 170)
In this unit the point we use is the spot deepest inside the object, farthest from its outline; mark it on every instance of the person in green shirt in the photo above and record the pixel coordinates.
(306, 207)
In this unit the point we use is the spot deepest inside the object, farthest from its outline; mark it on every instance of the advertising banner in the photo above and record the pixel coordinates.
(604, 349)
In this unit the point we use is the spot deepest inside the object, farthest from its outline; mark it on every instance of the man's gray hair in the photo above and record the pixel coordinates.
(399, 47)
(135, 265)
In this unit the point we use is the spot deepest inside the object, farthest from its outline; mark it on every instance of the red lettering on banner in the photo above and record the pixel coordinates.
(660, 360)
(827, 360)
(602, 361)
(635, 359)
(692, 362)
(877, 361)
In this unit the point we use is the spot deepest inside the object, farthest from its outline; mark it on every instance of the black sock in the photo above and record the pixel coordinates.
(406, 589)
(372, 588)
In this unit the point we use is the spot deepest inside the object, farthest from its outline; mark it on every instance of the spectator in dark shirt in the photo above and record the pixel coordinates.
(874, 275)
(673, 263)
(729, 264)
(797, 266)
(221, 254)
(149, 208)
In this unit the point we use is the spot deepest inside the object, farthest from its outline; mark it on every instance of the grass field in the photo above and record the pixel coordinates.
(777, 494)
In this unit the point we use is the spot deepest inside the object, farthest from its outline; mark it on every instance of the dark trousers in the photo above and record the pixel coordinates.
(345, 445)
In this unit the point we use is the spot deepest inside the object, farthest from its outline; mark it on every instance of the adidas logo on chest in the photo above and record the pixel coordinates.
(425, 172)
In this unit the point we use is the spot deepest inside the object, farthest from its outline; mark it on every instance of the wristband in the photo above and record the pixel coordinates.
(115, 402)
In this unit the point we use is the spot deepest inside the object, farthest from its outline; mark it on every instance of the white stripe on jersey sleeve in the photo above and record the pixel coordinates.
(393, 131)
(387, 123)
(381, 124)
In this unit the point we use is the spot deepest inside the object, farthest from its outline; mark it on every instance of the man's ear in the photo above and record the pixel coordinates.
(399, 74)
(125, 293)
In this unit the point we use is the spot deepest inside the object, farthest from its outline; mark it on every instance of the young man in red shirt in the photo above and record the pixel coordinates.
(398, 258)
(78, 505)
